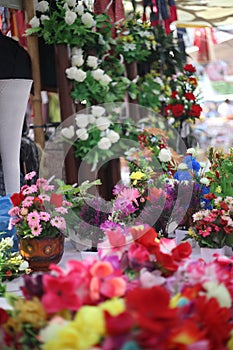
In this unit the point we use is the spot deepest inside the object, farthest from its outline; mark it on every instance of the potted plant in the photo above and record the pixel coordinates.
(39, 216)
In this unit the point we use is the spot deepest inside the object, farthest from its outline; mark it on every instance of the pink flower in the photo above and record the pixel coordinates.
(33, 218)
(14, 211)
(129, 194)
(44, 216)
(28, 201)
(61, 210)
(205, 232)
(12, 223)
(30, 189)
(58, 222)
(30, 175)
(44, 197)
(36, 229)
(67, 204)
(138, 254)
(60, 293)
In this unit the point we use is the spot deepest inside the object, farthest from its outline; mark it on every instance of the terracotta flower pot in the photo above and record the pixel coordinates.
(40, 252)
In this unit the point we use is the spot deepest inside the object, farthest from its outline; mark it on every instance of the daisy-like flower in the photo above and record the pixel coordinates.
(61, 210)
(36, 230)
(30, 189)
(44, 197)
(44, 216)
(33, 218)
(30, 175)
(28, 201)
(58, 222)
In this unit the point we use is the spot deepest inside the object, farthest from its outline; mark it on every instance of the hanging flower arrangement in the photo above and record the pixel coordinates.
(182, 105)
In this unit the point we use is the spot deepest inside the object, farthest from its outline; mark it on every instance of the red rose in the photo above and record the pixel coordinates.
(192, 81)
(16, 199)
(177, 110)
(195, 111)
(189, 68)
(189, 96)
(174, 94)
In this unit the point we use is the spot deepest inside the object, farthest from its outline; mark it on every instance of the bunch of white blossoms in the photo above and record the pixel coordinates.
(85, 122)
(72, 9)
(78, 74)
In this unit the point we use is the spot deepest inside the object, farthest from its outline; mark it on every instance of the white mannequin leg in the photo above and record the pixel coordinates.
(14, 95)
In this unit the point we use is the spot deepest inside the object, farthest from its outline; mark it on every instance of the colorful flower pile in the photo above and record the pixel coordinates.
(183, 106)
(141, 293)
(38, 211)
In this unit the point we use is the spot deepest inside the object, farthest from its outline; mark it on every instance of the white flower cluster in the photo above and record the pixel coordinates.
(78, 74)
(86, 121)
(72, 10)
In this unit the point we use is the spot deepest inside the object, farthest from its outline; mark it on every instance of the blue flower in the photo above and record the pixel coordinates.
(182, 175)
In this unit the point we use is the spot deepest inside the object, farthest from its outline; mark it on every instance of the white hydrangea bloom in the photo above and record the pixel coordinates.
(104, 143)
(77, 60)
(70, 17)
(88, 20)
(82, 120)
(97, 74)
(77, 51)
(102, 123)
(79, 9)
(42, 6)
(165, 155)
(71, 3)
(92, 62)
(68, 132)
(34, 22)
(97, 111)
(113, 136)
(82, 134)
(105, 79)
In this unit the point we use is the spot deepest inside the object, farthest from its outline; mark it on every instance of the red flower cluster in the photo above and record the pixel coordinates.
(182, 104)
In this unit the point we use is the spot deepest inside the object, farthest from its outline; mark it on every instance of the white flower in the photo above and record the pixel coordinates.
(77, 60)
(102, 123)
(92, 62)
(34, 22)
(165, 155)
(218, 291)
(79, 9)
(97, 111)
(182, 166)
(76, 74)
(23, 266)
(113, 136)
(71, 3)
(8, 241)
(42, 6)
(44, 18)
(97, 74)
(91, 118)
(68, 132)
(105, 79)
(77, 51)
(82, 120)
(82, 134)
(70, 17)
(104, 143)
(88, 20)
(191, 151)
(205, 181)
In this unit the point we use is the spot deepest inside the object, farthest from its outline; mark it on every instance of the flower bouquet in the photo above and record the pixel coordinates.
(213, 228)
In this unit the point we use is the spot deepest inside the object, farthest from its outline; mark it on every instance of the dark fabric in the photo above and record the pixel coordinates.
(15, 62)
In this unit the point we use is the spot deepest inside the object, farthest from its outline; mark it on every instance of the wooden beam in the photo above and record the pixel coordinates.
(36, 100)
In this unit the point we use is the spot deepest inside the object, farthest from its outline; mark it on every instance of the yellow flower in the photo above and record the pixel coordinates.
(174, 300)
(136, 175)
(12, 326)
(218, 189)
(30, 311)
(230, 343)
(66, 337)
(114, 306)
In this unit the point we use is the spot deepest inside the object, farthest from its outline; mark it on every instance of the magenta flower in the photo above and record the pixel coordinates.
(14, 211)
(60, 293)
(30, 189)
(33, 218)
(129, 194)
(61, 210)
(44, 216)
(28, 201)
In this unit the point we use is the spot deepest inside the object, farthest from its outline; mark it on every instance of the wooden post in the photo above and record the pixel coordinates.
(36, 100)
(66, 106)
